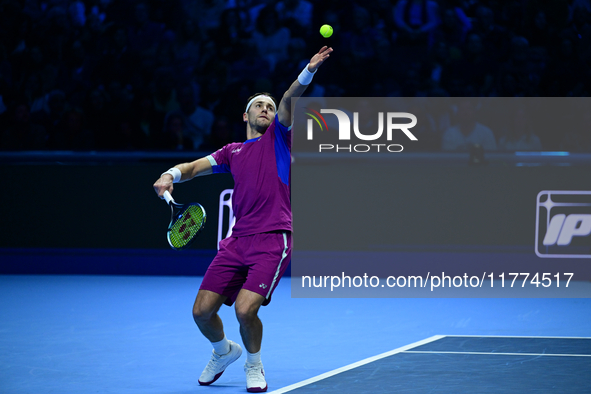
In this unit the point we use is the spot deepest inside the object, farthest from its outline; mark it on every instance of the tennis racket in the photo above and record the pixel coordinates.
(186, 221)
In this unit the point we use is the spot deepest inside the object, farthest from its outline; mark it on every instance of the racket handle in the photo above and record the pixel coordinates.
(167, 197)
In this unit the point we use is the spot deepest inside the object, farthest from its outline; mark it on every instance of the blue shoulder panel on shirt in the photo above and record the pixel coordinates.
(220, 169)
(282, 154)
(215, 167)
(281, 128)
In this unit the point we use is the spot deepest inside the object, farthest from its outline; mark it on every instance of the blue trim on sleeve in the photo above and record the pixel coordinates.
(278, 126)
(221, 168)
(282, 154)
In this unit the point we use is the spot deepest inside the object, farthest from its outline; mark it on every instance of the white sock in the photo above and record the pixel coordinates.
(222, 347)
(253, 358)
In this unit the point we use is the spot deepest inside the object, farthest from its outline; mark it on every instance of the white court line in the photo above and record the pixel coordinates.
(356, 364)
(510, 336)
(499, 354)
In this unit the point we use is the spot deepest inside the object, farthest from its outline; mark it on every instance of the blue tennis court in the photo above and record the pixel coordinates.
(131, 334)
(460, 364)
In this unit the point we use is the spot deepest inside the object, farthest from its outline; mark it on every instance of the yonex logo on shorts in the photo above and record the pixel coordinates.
(563, 224)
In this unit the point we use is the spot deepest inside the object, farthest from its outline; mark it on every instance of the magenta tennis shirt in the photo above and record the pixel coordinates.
(261, 171)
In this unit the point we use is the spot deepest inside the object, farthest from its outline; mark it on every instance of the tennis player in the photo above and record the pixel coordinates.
(251, 262)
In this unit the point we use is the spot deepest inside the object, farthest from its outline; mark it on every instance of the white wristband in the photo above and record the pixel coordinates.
(306, 76)
(176, 174)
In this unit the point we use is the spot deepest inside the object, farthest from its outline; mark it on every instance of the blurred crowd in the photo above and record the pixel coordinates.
(175, 74)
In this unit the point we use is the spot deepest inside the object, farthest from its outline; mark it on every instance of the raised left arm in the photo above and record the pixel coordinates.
(298, 87)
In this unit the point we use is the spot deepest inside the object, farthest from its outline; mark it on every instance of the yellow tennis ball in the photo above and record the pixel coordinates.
(326, 31)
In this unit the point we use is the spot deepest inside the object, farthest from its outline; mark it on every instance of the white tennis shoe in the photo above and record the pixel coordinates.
(255, 378)
(218, 364)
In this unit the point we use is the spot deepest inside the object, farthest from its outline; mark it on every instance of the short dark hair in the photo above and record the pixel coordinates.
(258, 94)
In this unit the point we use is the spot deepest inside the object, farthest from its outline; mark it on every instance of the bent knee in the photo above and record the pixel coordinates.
(246, 314)
(206, 305)
(200, 313)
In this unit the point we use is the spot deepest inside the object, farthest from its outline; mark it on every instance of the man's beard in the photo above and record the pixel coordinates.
(260, 125)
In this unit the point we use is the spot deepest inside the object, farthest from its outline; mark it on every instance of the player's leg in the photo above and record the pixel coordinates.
(221, 283)
(267, 257)
(205, 313)
(225, 352)
(248, 304)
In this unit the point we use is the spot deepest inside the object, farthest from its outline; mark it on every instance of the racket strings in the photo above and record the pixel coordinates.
(186, 227)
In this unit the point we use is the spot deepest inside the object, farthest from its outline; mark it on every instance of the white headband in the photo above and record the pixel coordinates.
(259, 97)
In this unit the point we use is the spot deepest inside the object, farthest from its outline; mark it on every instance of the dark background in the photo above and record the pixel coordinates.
(162, 75)
(99, 216)
(99, 206)
(93, 92)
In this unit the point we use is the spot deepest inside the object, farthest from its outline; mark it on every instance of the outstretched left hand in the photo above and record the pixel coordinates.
(319, 58)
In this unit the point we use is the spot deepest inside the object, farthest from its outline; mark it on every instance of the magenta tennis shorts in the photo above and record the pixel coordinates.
(253, 262)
